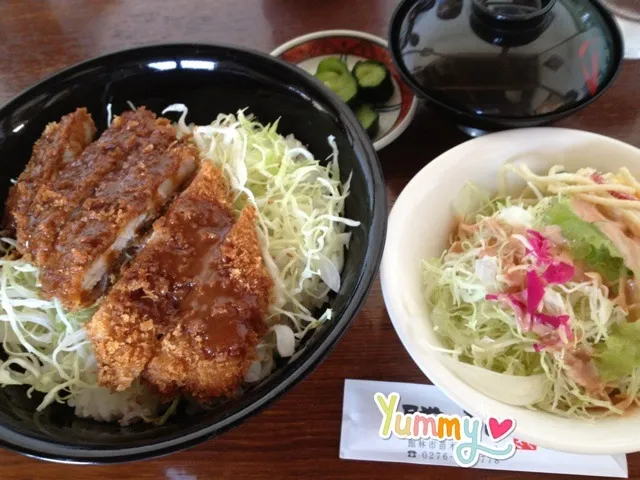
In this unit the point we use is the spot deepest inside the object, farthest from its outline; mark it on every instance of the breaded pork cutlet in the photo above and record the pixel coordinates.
(140, 308)
(188, 311)
(89, 246)
(212, 343)
(57, 201)
(59, 144)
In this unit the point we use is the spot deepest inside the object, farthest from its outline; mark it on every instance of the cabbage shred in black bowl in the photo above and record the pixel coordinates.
(221, 80)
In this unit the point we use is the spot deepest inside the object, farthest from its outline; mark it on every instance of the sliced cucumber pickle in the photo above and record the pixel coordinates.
(335, 74)
(374, 81)
(369, 118)
(332, 64)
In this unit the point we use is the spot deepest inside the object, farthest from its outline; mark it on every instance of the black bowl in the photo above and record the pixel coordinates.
(484, 66)
(209, 79)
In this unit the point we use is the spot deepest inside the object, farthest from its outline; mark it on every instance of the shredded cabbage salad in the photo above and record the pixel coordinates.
(300, 203)
(545, 284)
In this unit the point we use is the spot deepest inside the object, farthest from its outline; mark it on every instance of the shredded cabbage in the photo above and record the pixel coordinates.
(46, 348)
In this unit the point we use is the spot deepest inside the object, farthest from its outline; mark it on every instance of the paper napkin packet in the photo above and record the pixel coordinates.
(362, 436)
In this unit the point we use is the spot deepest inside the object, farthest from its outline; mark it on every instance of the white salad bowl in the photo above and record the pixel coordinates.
(419, 228)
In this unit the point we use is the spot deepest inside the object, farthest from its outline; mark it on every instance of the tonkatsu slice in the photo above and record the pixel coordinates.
(89, 246)
(60, 143)
(212, 343)
(57, 201)
(141, 307)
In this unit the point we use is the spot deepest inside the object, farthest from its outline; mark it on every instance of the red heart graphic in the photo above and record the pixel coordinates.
(499, 430)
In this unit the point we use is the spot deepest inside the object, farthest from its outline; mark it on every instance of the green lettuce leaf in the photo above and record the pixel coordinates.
(587, 242)
(472, 200)
(619, 355)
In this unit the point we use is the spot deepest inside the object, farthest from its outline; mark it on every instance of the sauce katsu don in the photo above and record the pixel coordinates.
(186, 313)
(156, 260)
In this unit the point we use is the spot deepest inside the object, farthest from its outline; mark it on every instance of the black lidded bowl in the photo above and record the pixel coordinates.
(209, 79)
(493, 65)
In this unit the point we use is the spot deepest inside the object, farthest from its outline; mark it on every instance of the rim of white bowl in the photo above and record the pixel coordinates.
(566, 433)
(392, 134)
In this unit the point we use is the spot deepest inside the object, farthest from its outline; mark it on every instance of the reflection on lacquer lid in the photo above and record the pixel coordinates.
(508, 58)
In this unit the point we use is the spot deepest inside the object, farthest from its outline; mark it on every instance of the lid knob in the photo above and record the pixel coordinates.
(511, 23)
(512, 14)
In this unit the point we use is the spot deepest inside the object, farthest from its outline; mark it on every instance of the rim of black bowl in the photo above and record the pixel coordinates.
(487, 121)
(296, 371)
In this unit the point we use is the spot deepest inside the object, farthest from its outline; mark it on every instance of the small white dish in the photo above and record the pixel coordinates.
(351, 46)
(419, 227)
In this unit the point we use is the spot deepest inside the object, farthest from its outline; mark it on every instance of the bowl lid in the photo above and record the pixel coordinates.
(506, 58)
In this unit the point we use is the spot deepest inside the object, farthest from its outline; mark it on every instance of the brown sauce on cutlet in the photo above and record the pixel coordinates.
(231, 296)
(126, 200)
(55, 203)
(187, 311)
(215, 314)
(198, 227)
(60, 143)
(214, 336)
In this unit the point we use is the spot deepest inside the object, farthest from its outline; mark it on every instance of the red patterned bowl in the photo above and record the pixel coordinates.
(350, 45)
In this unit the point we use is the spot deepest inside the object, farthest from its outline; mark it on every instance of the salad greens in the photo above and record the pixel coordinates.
(518, 293)
(587, 243)
(619, 355)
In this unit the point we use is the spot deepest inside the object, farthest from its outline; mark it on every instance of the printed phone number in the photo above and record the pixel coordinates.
(445, 456)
